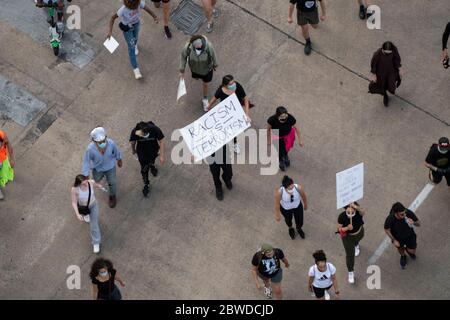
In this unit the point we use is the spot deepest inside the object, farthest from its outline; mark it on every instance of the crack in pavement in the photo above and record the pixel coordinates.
(434, 116)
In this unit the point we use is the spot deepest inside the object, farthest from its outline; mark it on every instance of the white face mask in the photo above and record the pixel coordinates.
(146, 136)
(103, 274)
(442, 151)
(198, 51)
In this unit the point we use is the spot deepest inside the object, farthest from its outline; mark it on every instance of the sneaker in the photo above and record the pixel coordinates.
(146, 190)
(386, 100)
(362, 12)
(209, 27)
(237, 148)
(167, 32)
(268, 292)
(357, 251)
(137, 73)
(412, 255)
(205, 104)
(219, 194)
(403, 261)
(292, 233)
(1, 195)
(154, 171)
(86, 218)
(216, 13)
(327, 295)
(308, 48)
(112, 201)
(136, 50)
(282, 166)
(351, 277)
(301, 233)
(96, 248)
(229, 185)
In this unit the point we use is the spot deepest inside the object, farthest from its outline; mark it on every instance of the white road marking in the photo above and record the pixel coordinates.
(413, 207)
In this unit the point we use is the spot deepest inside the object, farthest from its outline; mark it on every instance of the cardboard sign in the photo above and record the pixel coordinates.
(349, 185)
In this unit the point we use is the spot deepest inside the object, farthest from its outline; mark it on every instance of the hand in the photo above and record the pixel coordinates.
(323, 17)
(350, 227)
(373, 77)
(122, 283)
(444, 54)
(310, 289)
(338, 297)
(12, 163)
(305, 207)
(119, 163)
(396, 244)
(182, 75)
(80, 217)
(287, 265)
(162, 159)
(290, 20)
(410, 221)
(247, 118)
(300, 143)
(156, 19)
(278, 217)
(401, 72)
(109, 35)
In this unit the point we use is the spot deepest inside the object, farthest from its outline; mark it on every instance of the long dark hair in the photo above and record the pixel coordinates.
(319, 255)
(227, 79)
(79, 180)
(98, 264)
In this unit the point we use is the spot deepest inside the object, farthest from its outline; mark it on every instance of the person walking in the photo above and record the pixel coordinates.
(438, 161)
(228, 87)
(166, 14)
(130, 22)
(266, 265)
(285, 123)
(85, 206)
(399, 228)
(7, 162)
(307, 15)
(351, 228)
(322, 276)
(210, 13)
(290, 201)
(201, 57)
(104, 277)
(386, 71)
(220, 162)
(101, 156)
(147, 140)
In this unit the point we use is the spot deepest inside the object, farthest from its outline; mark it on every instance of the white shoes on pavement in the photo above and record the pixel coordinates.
(86, 218)
(357, 251)
(351, 277)
(96, 248)
(327, 295)
(268, 292)
(137, 73)
(205, 103)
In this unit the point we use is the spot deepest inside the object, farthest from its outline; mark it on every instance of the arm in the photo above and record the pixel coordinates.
(310, 282)
(111, 24)
(184, 57)
(335, 285)
(86, 164)
(255, 277)
(324, 10)
(297, 131)
(304, 199)
(162, 151)
(150, 12)
(373, 66)
(74, 197)
(133, 146)
(119, 279)
(445, 36)
(247, 106)
(94, 291)
(10, 150)
(286, 262)
(291, 11)
(393, 240)
(118, 154)
(211, 103)
(212, 53)
(431, 167)
(277, 205)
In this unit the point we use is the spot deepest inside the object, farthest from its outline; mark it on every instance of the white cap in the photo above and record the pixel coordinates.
(98, 134)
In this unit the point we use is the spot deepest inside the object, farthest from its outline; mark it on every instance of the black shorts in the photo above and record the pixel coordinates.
(320, 292)
(206, 78)
(410, 243)
(437, 177)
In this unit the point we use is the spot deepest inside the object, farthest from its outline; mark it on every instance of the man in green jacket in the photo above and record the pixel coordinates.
(201, 57)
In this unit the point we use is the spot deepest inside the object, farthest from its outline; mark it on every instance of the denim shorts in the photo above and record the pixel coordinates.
(275, 279)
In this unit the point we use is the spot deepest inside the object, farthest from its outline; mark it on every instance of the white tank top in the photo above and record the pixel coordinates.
(286, 198)
(84, 195)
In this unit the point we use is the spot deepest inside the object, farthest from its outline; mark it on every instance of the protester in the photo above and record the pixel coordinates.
(228, 87)
(201, 57)
(399, 227)
(85, 206)
(444, 53)
(266, 265)
(351, 228)
(322, 276)
(7, 162)
(166, 15)
(438, 161)
(307, 14)
(210, 13)
(290, 201)
(220, 161)
(103, 277)
(130, 21)
(101, 156)
(147, 140)
(285, 123)
(386, 71)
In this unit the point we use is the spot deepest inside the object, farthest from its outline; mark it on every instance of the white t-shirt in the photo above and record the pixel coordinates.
(322, 279)
(130, 17)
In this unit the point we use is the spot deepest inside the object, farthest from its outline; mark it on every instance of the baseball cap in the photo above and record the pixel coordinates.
(444, 143)
(98, 134)
(266, 248)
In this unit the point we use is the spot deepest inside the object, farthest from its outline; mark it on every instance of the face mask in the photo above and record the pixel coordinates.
(198, 51)
(282, 120)
(103, 274)
(232, 87)
(102, 145)
(442, 150)
(350, 215)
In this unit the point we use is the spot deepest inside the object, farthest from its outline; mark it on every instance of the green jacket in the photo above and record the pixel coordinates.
(201, 64)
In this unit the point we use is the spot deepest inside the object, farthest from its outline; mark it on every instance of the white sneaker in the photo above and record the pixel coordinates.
(351, 277)
(137, 73)
(237, 148)
(205, 103)
(96, 248)
(136, 50)
(216, 13)
(1, 195)
(357, 251)
(268, 292)
(327, 295)
(86, 218)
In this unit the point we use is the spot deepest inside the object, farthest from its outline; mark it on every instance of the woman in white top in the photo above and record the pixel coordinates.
(83, 196)
(290, 201)
(322, 276)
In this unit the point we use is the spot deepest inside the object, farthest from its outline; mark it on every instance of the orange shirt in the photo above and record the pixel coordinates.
(3, 150)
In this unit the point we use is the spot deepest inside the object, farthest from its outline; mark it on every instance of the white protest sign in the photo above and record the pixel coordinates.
(111, 44)
(349, 185)
(215, 128)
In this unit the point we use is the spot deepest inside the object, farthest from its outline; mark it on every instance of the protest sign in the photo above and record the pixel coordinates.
(349, 185)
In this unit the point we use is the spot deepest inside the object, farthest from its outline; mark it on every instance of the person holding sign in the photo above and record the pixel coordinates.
(230, 86)
(438, 161)
(290, 201)
(322, 276)
(399, 227)
(219, 161)
(350, 227)
(285, 123)
(201, 57)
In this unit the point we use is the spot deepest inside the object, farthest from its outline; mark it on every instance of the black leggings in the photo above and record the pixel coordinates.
(145, 168)
(297, 213)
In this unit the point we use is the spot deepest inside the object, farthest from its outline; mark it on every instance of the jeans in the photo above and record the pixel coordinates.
(350, 242)
(226, 175)
(131, 37)
(110, 177)
(93, 223)
(296, 213)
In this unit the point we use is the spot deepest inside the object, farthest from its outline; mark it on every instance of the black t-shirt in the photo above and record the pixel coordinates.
(105, 288)
(400, 228)
(268, 267)
(240, 93)
(305, 5)
(147, 148)
(357, 221)
(438, 159)
(285, 127)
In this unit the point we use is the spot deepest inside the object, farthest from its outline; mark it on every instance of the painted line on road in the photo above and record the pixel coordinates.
(413, 207)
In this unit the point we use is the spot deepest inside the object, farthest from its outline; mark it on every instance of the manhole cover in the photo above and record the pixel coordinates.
(188, 17)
